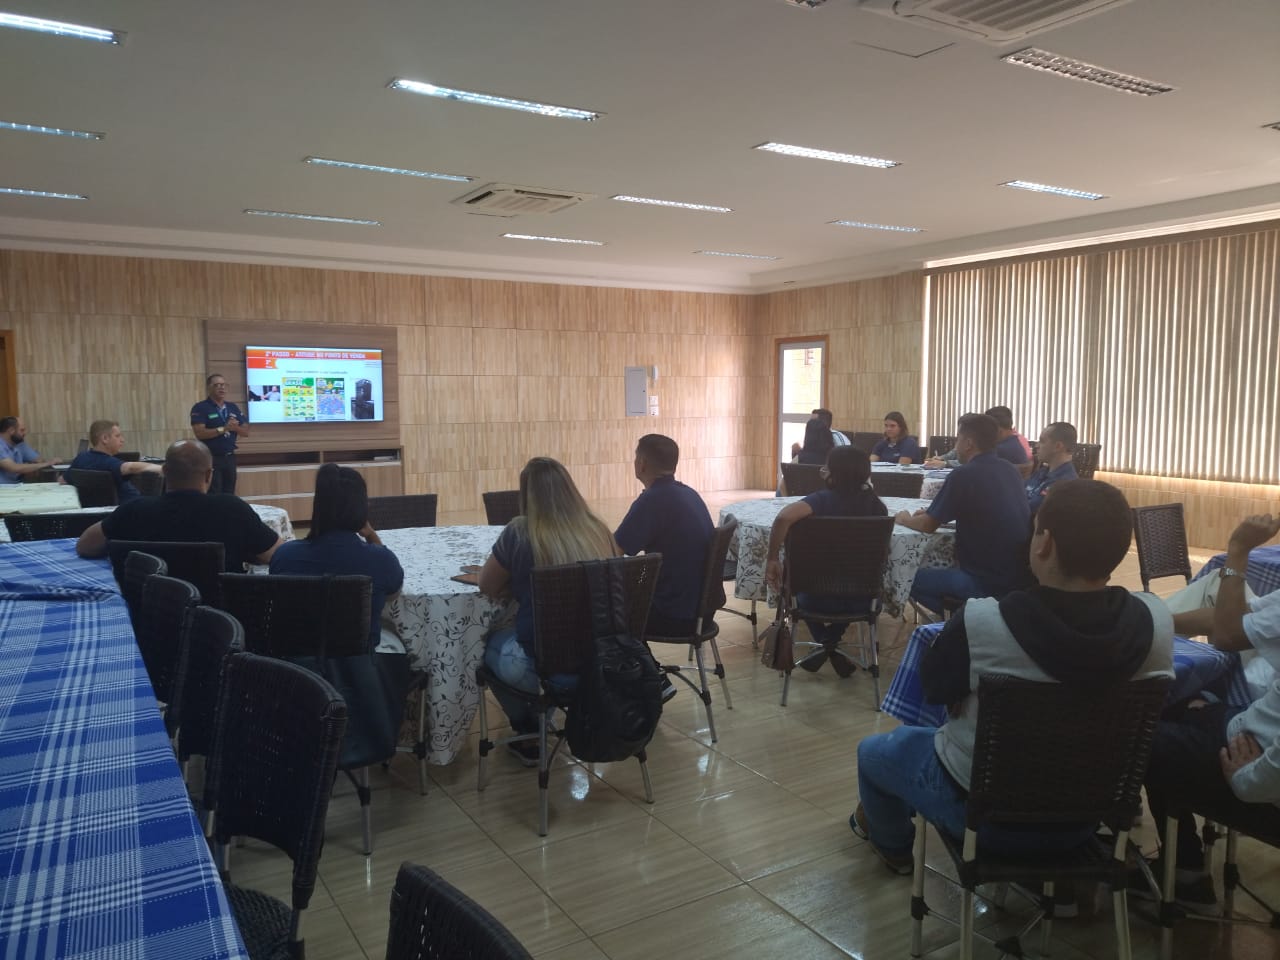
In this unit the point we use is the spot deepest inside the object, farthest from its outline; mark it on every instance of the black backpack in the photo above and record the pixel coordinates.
(618, 702)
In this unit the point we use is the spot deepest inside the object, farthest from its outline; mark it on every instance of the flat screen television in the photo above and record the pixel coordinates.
(313, 384)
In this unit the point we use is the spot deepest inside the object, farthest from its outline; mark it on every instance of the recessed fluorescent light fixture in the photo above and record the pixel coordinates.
(1074, 69)
(17, 21)
(47, 194)
(744, 256)
(813, 153)
(376, 168)
(875, 226)
(493, 100)
(709, 208)
(51, 131)
(313, 216)
(1060, 191)
(529, 236)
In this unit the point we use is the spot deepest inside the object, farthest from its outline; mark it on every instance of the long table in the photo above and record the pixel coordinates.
(274, 517)
(100, 853)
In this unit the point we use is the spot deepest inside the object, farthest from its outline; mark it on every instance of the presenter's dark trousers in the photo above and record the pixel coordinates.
(224, 473)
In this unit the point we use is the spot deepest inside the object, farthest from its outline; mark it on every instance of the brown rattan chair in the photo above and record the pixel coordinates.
(837, 557)
(96, 488)
(864, 440)
(802, 479)
(138, 566)
(1049, 753)
(167, 605)
(198, 563)
(500, 506)
(705, 628)
(941, 443)
(563, 644)
(24, 528)
(1086, 459)
(1160, 535)
(278, 732)
(148, 484)
(403, 512)
(891, 484)
(431, 919)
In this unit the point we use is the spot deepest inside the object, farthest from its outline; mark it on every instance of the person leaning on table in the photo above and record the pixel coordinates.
(105, 442)
(17, 459)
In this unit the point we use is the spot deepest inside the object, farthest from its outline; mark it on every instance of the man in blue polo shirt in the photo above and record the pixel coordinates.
(105, 442)
(1009, 443)
(218, 423)
(16, 456)
(1057, 444)
(986, 499)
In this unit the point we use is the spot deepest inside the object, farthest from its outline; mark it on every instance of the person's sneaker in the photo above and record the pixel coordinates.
(901, 864)
(526, 751)
(1192, 889)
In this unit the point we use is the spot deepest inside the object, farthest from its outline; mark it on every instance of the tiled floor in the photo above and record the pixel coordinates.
(745, 853)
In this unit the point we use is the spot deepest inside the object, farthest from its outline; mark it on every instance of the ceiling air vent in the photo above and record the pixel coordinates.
(506, 200)
(994, 21)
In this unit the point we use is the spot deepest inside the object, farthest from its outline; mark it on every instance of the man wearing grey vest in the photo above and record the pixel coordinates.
(1071, 628)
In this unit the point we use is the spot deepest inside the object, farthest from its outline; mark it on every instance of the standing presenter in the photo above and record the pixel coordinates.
(219, 424)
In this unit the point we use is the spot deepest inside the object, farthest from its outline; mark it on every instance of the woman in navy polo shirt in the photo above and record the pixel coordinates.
(898, 446)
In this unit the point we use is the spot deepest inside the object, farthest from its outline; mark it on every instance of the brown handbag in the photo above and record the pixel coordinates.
(776, 649)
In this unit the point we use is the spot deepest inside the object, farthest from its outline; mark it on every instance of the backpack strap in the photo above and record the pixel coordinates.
(608, 594)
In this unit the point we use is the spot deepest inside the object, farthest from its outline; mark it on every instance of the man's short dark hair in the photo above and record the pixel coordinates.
(1003, 417)
(7, 424)
(981, 428)
(1061, 432)
(1091, 527)
(185, 463)
(825, 415)
(211, 377)
(662, 452)
(100, 429)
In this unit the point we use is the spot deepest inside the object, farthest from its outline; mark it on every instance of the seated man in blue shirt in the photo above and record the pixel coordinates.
(1009, 443)
(1057, 444)
(16, 456)
(105, 441)
(986, 499)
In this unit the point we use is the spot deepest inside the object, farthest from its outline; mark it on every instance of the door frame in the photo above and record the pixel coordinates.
(778, 344)
(8, 359)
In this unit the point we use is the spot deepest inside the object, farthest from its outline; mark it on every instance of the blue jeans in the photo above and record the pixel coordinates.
(510, 662)
(932, 583)
(899, 774)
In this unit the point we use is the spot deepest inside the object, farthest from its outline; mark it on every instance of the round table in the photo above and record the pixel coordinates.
(274, 517)
(933, 479)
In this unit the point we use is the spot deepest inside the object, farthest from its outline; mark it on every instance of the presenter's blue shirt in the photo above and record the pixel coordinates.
(97, 460)
(988, 502)
(894, 452)
(20, 453)
(208, 413)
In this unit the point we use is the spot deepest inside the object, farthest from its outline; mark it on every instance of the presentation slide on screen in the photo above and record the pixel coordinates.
(313, 384)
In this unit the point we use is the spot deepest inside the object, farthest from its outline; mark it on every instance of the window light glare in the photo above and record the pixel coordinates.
(875, 226)
(1059, 191)
(377, 168)
(744, 256)
(710, 208)
(493, 100)
(313, 216)
(47, 194)
(813, 153)
(51, 131)
(17, 21)
(530, 236)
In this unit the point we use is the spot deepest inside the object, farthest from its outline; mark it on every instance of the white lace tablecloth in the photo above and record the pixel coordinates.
(933, 479)
(443, 625)
(273, 517)
(908, 550)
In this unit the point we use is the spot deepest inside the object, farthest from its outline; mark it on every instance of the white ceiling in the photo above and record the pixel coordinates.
(209, 108)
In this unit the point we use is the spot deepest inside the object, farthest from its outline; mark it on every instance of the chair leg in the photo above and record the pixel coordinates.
(1120, 907)
(724, 682)
(703, 693)
(874, 668)
(1046, 924)
(420, 746)
(1230, 875)
(486, 745)
(1168, 912)
(643, 757)
(919, 910)
(544, 775)
(755, 634)
(366, 814)
(786, 685)
(966, 924)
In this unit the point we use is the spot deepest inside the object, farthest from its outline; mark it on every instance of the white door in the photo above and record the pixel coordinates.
(800, 368)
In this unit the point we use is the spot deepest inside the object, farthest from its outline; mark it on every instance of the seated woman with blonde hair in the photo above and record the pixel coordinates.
(555, 526)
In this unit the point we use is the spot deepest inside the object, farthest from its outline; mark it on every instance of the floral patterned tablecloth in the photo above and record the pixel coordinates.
(443, 625)
(908, 550)
(273, 517)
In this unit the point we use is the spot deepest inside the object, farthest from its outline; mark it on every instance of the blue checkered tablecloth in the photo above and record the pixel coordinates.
(1196, 666)
(51, 569)
(1263, 573)
(100, 853)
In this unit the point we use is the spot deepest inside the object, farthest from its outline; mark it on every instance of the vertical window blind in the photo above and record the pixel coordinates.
(1166, 353)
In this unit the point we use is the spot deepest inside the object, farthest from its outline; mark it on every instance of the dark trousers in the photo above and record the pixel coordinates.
(1185, 775)
(224, 473)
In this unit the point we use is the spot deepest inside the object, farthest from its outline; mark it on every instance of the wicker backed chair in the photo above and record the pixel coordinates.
(802, 479)
(705, 629)
(940, 443)
(138, 566)
(864, 440)
(1050, 753)
(563, 643)
(96, 488)
(840, 557)
(167, 605)
(148, 484)
(1086, 459)
(24, 528)
(43, 475)
(399, 513)
(200, 564)
(1160, 535)
(322, 623)
(500, 506)
(889, 484)
(212, 636)
(277, 735)
(430, 918)
(129, 456)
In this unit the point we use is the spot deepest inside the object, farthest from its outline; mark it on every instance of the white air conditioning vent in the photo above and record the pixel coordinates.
(994, 21)
(506, 200)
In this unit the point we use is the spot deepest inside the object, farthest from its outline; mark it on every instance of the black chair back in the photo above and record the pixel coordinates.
(399, 513)
(864, 440)
(1160, 535)
(199, 564)
(432, 919)
(501, 506)
(212, 636)
(167, 604)
(300, 616)
(24, 528)
(941, 443)
(129, 456)
(43, 475)
(138, 567)
(838, 556)
(148, 484)
(713, 568)
(1086, 459)
(802, 479)
(888, 484)
(96, 488)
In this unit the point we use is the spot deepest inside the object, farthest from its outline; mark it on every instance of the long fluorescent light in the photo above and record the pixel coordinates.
(876, 226)
(1059, 191)
(52, 131)
(744, 256)
(710, 208)
(18, 22)
(813, 153)
(529, 236)
(1074, 69)
(313, 216)
(493, 100)
(47, 194)
(377, 168)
